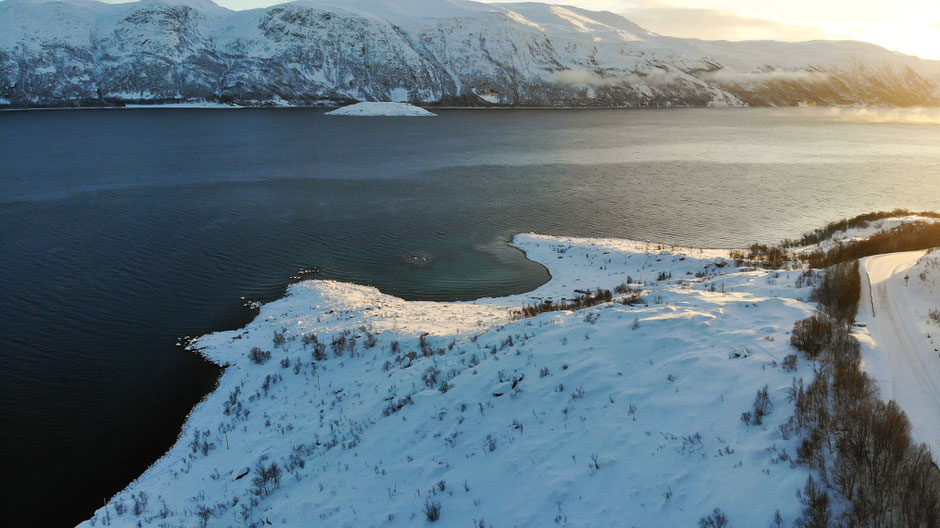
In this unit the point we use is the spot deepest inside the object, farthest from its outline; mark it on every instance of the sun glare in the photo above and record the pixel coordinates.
(922, 40)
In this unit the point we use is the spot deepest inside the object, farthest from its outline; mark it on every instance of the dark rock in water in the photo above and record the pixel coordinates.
(414, 258)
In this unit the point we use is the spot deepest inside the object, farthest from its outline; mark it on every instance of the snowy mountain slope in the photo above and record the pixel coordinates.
(615, 415)
(454, 52)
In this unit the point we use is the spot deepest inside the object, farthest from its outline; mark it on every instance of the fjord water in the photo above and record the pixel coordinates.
(122, 230)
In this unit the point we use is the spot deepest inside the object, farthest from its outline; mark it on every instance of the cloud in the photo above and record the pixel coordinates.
(587, 78)
(570, 77)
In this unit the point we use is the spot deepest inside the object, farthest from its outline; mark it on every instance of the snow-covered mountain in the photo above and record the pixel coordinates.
(441, 52)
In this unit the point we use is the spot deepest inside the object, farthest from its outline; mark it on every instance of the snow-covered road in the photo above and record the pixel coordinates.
(899, 345)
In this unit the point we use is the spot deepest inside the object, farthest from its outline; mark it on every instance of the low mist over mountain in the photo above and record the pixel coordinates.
(431, 52)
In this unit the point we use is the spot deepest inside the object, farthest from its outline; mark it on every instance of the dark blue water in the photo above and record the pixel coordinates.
(121, 231)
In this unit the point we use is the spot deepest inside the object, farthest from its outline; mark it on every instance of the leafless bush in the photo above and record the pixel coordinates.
(140, 503)
(203, 513)
(432, 510)
(935, 315)
(715, 519)
(267, 478)
(580, 301)
(811, 335)
(394, 406)
(762, 405)
(258, 356)
(490, 443)
(430, 376)
(816, 511)
(789, 363)
(839, 290)
(370, 339)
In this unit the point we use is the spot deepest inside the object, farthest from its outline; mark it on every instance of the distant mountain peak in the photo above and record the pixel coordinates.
(446, 52)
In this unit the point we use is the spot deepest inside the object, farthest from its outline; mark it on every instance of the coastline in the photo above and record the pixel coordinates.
(400, 318)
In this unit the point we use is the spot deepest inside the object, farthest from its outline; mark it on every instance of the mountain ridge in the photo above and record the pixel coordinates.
(453, 53)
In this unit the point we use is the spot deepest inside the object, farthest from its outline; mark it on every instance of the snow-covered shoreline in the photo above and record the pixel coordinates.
(612, 415)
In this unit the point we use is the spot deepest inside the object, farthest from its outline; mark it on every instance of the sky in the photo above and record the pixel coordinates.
(908, 26)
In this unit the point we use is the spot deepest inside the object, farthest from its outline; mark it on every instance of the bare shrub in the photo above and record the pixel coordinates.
(715, 519)
(490, 443)
(762, 405)
(580, 301)
(811, 335)
(934, 315)
(203, 513)
(432, 510)
(371, 341)
(430, 376)
(258, 356)
(267, 478)
(394, 406)
(140, 503)
(816, 511)
(839, 291)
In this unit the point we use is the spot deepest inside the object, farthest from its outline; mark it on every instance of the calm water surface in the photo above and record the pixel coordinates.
(121, 231)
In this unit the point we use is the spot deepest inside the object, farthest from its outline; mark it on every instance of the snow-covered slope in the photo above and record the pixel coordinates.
(453, 52)
(616, 415)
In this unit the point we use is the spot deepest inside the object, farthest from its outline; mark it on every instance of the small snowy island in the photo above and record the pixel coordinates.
(371, 109)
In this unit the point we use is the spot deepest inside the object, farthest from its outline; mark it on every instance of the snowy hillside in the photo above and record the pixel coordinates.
(624, 414)
(453, 52)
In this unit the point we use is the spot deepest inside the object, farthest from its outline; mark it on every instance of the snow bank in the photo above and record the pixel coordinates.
(370, 109)
(614, 415)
